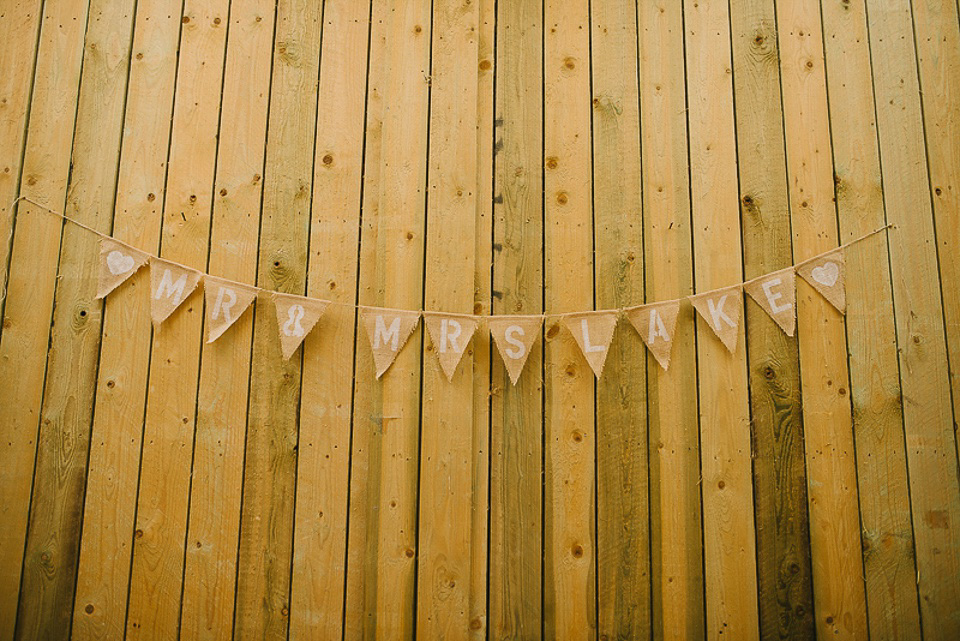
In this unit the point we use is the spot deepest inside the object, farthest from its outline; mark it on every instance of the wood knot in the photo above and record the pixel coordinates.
(409, 553)
(138, 534)
(552, 162)
(327, 159)
(553, 331)
(570, 63)
(577, 551)
(475, 624)
(151, 197)
(562, 198)
(485, 65)
(721, 485)
(577, 436)
(89, 608)
(223, 192)
(185, 20)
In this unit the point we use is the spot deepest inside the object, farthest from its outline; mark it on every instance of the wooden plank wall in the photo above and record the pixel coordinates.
(480, 156)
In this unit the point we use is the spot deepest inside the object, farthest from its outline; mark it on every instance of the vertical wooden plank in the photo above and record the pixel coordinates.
(482, 346)
(32, 279)
(267, 515)
(382, 545)
(447, 472)
(785, 585)
(927, 411)
(623, 544)
(937, 33)
(112, 477)
(52, 547)
(728, 525)
(839, 598)
(675, 509)
(516, 414)
(361, 585)
(569, 523)
(215, 492)
(19, 27)
(319, 552)
(886, 530)
(156, 576)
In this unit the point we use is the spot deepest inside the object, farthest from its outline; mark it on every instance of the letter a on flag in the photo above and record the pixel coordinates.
(656, 324)
(826, 274)
(593, 332)
(515, 336)
(722, 309)
(776, 293)
(170, 285)
(296, 317)
(226, 301)
(450, 335)
(117, 264)
(388, 330)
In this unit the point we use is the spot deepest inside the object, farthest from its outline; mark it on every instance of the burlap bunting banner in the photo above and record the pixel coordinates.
(450, 334)
(296, 317)
(776, 293)
(826, 275)
(722, 309)
(226, 302)
(593, 332)
(117, 264)
(655, 323)
(170, 285)
(388, 330)
(514, 337)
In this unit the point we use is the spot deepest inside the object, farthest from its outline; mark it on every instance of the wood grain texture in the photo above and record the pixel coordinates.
(485, 156)
(936, 26)
(31, 284)
(886, 532)
(383, 522)
(675, 504)
(447, 472)
(623, 546)
(783, 537)
(361, 584)
(210, 570)
(924, 380)
(516, 500)
(569, 546)
(270, 463)
(319, 548)
(156, 577)
(52, 547)
(728, 526)
(839, 597)
(785, 588)
(106, 543)
(19, 28)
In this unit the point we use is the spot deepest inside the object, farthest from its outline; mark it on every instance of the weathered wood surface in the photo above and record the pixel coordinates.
(478, 156)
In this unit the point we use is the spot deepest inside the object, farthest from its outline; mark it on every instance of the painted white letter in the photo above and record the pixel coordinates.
(587, 347)
(773, 296)
(225, 306)
(391, 336)
(451, 337)
(657, 328)
(174, 289)
(716, 312)
(508, 335)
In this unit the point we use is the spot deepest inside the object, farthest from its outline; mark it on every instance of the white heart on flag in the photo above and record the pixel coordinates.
(826, 274)
(119, 263)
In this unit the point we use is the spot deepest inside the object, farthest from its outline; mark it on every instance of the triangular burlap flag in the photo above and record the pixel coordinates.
(226, 301)
(826, 275)
(170, 285)
(388, 330)
(117, 264)
(593, 332)
(776, 293)
(514, 336)
(296, 317)
(450, 334)
(655, 324)
(722, 309)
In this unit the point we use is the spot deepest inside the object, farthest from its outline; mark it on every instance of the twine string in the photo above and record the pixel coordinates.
(544, 316)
